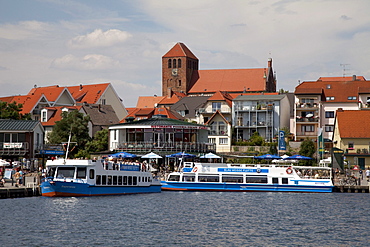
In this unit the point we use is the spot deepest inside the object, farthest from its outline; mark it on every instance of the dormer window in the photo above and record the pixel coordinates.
(328, 86)
(44, 115)
(330, 98)
(352, 98)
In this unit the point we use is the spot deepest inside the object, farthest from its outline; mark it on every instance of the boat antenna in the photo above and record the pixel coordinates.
(69, 141)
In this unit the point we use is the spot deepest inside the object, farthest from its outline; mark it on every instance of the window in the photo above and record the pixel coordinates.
(218, 128)
(329, 128)
(104, 179)
(44, 116)
(120, 180)
(81, 172)
(351, 145)
(308, 128)
(212, 140)
(352, 98)
(330, 98)
(306, 100)
(329, 114)
(232, 179)
(103, 101)
(91, 173)
(224, 141)
(275, 180)
(129, 180)
(66, 172)
(125, 180)
(216, 106)
(174, 178)
(188, 178)
(284, 180)
(98, 179)
(174, 63)
(209, 179)
(169, 63)
(179, 83)
(179, 63)
(109, 180)
(256, 179)
(328, 86)
(114, 180)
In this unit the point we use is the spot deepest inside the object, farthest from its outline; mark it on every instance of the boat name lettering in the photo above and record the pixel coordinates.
(182, 127)
(70, 187)
(257, 170)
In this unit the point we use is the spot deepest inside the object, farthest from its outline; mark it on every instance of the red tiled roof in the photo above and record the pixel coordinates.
(57, 115)
(170, 101)
(345, 78)
(180, 50)
(51, 93)
(164, 111)
(230, 80)
(28, 102)
(148, 101)
(353, 123)
(88, 93)
(221, 96)
(340, 90)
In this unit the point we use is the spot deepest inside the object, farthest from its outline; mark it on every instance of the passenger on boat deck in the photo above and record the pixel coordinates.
(316, 175)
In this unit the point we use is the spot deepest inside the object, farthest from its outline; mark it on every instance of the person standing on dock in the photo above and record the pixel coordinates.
(367, 172)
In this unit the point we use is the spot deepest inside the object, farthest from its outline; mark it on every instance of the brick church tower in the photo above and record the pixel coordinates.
(179, 70)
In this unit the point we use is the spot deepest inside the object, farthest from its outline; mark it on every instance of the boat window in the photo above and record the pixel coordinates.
(232, 179)
(92, 173)
(174, 178)
(98, 179)
(104, 180)
(146, 179)
(188, 178)
(129, 180)
(51, 172)
(134, 182)
(81, 172)
(256, 179)
(109, 180)
(139, 179)
(284, 180)
(120, 180)
(114, 180)
(208, 179)
(275, 180)
(66, 172)
(125, 180)
(149, 179)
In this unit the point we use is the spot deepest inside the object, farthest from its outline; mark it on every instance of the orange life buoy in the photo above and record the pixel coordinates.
(289, 170)
(195, 169)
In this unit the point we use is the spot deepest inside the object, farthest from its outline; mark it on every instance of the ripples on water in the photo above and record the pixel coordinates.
(188, 219)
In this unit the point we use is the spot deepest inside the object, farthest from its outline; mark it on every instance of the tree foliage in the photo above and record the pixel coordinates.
(75, 123)
(12, 111)
(307, 149)
(256, 139)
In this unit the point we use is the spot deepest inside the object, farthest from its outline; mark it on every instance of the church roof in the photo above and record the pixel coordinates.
(180, 50)
(230, 80)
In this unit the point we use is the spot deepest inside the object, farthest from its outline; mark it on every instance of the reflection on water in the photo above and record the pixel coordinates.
(189, 219)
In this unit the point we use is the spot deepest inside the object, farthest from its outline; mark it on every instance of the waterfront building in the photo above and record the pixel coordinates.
(316, 103)
(159, 134)
(352, 135)
(263, 113)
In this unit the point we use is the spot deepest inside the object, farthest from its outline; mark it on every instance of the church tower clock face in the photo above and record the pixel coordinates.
(174, 72)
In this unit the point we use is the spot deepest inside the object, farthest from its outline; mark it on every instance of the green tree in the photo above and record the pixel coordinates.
(74, 123)
(282, 91)
(308, 149)
(97, 144)
(12, 111)
(256, 139)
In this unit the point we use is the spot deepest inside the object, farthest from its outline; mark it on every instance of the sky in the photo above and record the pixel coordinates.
(73, 42)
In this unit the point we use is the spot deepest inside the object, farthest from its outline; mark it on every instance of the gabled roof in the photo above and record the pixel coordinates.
(230, 80)
(169, 101)
(217, 113)
(221, 96)
(353, 123)
(28, 102)
(180, 50)
(57, 114)
(149, 113)
(102, 115)
(18, 125)
(148, 101)
(342, 78)
(190, 103)
(90, 93)
(340, 89)
(52, 93)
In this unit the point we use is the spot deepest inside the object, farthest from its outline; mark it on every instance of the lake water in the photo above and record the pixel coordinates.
(188, 219)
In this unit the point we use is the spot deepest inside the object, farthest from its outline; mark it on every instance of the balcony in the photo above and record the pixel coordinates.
(303, 106)
(314, 119)
(14, 148)
(166, 147)
(307, 133)
(358, 151)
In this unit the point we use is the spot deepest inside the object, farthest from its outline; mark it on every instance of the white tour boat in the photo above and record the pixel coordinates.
(249, 177)
(72, 177)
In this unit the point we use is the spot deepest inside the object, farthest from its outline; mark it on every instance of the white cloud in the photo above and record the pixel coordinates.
(88, 62)
(98, 38)
(24, 30)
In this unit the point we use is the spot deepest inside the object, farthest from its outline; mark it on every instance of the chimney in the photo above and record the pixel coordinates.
(269, 63)
(340, 110)
(80, 86)
(354, 78)
(99, 108)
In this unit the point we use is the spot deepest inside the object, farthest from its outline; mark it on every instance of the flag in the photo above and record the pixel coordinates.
(320, 143)
(282, 144)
